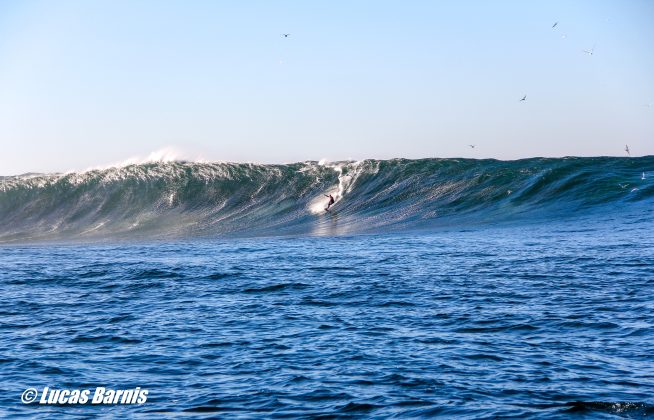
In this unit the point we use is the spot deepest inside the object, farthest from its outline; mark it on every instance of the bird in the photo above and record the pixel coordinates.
(643, 177)
(554, 26)
(286, 35)
(591, 51)
(472, 146)
(626, 149)
(524, 98)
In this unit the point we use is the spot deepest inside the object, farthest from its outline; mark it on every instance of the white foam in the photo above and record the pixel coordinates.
(318, 204)
(164, 155)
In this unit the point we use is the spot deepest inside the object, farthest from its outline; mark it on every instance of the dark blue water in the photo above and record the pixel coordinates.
(525, 320)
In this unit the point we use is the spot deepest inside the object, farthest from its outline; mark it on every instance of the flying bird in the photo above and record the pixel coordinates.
(591, 51)
(472, 146)
(626, 149)
(524, 98)
(554, 26)
(286, 35)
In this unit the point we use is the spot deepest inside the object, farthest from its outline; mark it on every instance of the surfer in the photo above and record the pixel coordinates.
(331, 201)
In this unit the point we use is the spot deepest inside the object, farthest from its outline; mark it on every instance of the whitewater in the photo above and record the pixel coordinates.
(179, 199)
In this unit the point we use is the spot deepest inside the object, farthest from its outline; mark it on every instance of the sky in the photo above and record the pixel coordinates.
(92, 83)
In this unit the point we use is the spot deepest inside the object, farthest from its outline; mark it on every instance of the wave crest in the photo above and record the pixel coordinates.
(180, 199)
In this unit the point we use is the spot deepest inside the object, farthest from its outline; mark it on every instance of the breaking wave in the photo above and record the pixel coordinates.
(190, 199)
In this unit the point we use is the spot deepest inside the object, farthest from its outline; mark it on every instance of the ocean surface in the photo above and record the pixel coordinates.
(436, 287)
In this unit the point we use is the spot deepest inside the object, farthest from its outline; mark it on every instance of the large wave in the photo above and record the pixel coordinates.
(188, 199)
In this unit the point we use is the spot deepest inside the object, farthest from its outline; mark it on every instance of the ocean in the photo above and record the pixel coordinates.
(434, 287)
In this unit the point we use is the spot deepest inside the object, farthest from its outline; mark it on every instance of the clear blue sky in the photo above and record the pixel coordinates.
(86, 83)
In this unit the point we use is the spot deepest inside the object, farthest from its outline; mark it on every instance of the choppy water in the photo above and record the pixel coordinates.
(526, 320)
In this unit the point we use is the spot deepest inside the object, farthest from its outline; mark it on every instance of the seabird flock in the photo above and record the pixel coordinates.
(589, 52)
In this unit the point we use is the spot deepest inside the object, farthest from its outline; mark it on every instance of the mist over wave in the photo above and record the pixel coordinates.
(190, 199)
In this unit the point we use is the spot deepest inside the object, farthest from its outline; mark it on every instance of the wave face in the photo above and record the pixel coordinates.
(187, 199)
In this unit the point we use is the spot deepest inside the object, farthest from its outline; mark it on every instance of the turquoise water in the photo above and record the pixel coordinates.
(186, 200)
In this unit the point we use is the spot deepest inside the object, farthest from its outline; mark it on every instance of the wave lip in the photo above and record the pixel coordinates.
(187, 199)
